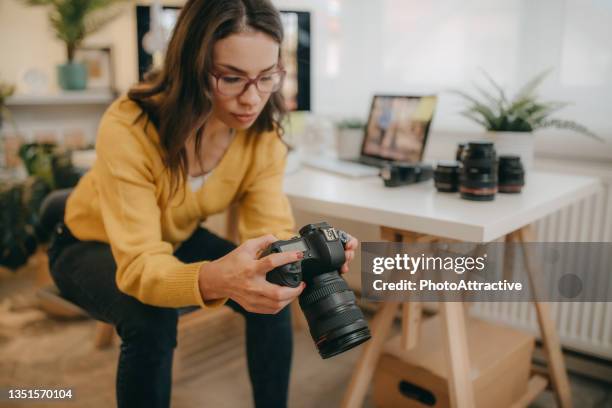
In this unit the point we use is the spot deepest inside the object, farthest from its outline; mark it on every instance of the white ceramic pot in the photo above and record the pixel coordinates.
(318, 135)
(348, 143)
(515, 144)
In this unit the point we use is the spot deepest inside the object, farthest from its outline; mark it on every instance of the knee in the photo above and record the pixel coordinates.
(149, 328)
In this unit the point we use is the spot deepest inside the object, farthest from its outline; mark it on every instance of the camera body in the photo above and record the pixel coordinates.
(399, 173)
(335, 321)
(323, 248)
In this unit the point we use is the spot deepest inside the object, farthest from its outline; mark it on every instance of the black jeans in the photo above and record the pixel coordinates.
(84, 272)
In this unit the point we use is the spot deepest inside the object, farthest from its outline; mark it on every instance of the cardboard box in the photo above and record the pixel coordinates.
(500, 362)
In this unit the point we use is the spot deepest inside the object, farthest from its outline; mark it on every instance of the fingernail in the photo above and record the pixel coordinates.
(299, 255)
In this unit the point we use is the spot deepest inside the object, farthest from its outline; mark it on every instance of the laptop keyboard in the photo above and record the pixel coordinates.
(341, 167)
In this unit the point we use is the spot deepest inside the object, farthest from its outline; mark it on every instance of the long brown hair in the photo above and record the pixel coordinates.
(183, 84)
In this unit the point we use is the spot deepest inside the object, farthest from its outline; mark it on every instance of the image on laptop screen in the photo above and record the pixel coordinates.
(397, 127)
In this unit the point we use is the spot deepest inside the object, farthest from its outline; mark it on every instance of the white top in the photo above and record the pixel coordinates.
(420, 208)
(195, 183)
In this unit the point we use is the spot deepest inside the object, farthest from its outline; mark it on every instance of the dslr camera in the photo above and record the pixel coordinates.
(399, 173)
(335, 321)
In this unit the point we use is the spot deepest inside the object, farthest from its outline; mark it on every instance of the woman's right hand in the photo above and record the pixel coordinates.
(241, 276)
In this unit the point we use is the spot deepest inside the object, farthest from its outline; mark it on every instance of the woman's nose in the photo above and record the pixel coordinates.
(250, 96)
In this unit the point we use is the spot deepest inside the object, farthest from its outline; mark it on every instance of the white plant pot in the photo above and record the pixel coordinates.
(348, 143)
(514, 143)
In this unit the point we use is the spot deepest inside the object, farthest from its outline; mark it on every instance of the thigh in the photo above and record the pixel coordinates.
(203, 245)
(85, 274)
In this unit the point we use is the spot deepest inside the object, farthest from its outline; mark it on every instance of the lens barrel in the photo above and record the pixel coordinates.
(478, 178)
(446, 176)
(336, 322)
(511, 174)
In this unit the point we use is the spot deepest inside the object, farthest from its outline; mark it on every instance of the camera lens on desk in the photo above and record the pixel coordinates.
(400, 173)
(446, 177)
(511, 174)
(478, 176)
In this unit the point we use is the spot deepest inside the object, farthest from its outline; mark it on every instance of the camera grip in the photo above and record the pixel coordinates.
(286, 275)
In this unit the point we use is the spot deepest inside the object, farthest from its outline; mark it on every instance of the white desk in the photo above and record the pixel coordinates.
(420, 208)
(419, 212)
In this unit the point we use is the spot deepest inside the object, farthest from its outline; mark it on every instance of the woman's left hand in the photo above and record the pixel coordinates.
(349, 253)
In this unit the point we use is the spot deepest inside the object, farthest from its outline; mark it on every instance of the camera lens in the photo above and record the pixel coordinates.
(478, 178)
(446, 177)
(336, 322)
(400, 173)
(511, 174)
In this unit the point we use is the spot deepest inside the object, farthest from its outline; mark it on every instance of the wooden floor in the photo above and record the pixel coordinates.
(38, 351)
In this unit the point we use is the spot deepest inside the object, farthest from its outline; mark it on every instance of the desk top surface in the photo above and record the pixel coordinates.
(420, 208)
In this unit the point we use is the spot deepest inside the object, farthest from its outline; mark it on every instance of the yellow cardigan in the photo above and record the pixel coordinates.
(123, 200)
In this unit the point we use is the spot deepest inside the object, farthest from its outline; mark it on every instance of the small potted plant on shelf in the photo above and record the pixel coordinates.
(510, 122)
(6, 90)
(349, 137)
(72, 21)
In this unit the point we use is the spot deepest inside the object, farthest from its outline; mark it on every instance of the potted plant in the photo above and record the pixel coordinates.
(510, 123)
(349, 137)
(6, 90)
(72, 21)
(48, 168)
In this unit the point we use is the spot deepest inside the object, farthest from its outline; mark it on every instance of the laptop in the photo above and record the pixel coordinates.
(396, 130)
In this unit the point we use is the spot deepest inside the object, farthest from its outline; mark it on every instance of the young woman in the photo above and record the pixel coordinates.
(131, 250)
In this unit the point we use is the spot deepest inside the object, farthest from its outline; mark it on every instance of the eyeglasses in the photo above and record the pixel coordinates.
(234, 85)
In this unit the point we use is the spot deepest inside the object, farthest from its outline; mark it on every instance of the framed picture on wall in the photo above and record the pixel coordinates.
(99, 62)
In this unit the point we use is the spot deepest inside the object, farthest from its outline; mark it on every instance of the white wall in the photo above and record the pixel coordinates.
(27, 41)
(362, 47)
(409, 46)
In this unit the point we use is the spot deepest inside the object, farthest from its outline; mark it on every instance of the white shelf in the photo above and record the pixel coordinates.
(91, 97)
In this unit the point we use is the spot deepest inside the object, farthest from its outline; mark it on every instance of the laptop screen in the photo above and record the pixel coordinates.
(397, 127)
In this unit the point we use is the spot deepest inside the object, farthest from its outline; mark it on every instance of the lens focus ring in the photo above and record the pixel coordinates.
(340, 319)
(323, 291)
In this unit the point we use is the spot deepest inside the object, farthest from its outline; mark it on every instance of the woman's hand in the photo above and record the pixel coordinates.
(240, 276)
(349, 253)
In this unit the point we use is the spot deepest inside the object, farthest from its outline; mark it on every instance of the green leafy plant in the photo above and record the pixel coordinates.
(49, 163)
(525, 112)
(6, 90)
(73, 20)
(48, 168)
(19, 205)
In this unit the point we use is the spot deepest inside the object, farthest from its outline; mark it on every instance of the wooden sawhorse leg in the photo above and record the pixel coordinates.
(459, 373)
(360, 381)
(461, 388)
(550, 339)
